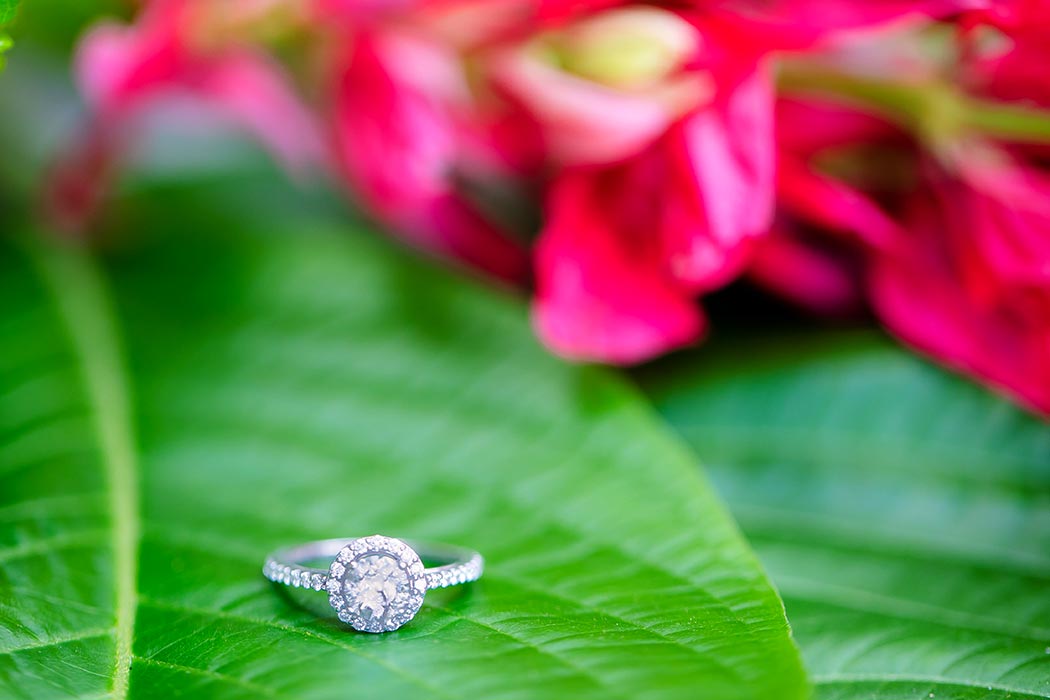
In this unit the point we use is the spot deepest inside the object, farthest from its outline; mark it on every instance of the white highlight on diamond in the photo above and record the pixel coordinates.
(374, 584)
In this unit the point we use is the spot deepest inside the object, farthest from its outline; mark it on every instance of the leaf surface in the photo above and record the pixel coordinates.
(171, 413)
(8, 8)
(903, 513)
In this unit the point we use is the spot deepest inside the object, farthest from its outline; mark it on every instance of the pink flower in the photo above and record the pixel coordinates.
(971, 283)
(955, 251)
(668, 120)
(647, 131)
(679, 215)
(124, 70)
(606, 86)
(176, 48)
(410, 138)
(955, 232)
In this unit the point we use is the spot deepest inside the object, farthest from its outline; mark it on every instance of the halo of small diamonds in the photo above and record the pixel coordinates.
(376, 584)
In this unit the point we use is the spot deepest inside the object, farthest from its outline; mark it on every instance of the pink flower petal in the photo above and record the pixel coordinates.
(810, 126)
(728, 156)
(939, 294)
(1008, 208)
(799, 24)
(597, 299)
(251, 90)
(807, 275)
(826, 202)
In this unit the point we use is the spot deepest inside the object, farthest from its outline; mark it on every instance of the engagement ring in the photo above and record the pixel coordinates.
(375, 584)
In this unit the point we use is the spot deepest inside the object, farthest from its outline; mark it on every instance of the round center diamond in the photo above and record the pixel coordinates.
(373, 584)
(376, 584)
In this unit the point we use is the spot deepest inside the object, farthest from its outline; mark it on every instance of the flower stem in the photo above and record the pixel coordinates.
(1009, 122)
(934, 109)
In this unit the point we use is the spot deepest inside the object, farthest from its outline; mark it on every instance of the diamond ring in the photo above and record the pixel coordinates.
(375, 584)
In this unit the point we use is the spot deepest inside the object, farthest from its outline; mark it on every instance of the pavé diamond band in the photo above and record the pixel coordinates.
(375, 584)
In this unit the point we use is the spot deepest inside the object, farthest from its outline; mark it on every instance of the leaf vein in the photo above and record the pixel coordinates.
(83, 307)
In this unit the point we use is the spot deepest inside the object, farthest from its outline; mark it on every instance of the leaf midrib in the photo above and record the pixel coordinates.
(83, 307)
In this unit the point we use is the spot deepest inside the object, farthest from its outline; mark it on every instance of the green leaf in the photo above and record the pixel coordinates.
(173, 412)
(57, 25)
(903, 513)
(8, 8)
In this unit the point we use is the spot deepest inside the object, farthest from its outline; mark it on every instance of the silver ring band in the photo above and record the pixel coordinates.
(375, 583)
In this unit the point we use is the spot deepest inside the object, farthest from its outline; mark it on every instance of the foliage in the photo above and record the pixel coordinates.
(55, 25)
(224, 384)
(903, 514)
(8, 8)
